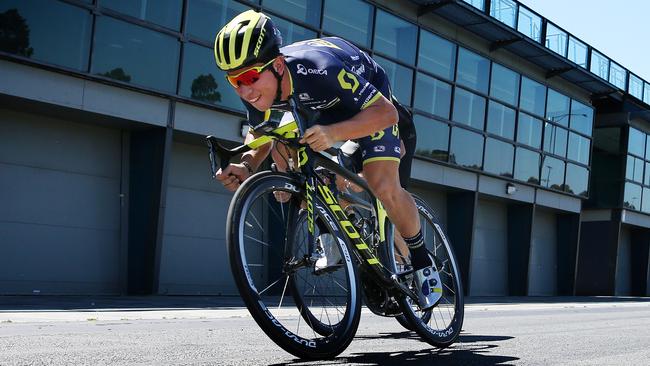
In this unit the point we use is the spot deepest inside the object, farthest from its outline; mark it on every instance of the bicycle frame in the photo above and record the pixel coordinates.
(220, 158)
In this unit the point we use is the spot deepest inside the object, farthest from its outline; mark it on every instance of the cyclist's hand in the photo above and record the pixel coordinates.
(318, 137)
(232, 176)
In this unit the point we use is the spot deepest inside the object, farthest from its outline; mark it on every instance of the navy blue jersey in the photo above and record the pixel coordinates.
(330, 75)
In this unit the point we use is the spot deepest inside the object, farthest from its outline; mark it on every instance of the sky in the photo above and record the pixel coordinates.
(618, 29)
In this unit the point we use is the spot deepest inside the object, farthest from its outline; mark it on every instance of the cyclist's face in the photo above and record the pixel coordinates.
(261, 92)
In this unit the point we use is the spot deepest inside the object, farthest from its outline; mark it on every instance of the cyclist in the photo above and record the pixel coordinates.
(352, 94)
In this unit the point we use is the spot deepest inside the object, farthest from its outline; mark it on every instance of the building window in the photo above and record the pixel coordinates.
(132, 54)
(48, 31)
(527, 165)
(556, 39)
(436, 55)
(636, 87)
(469, 109)
(617, 75)
(634, 169)
(499, 157)
(505, 84)
(473, 71)
(577, 179)
(433, 138)
(632, 198)
(204, 17)
(306, 11)
(646, 176)
(466, 148)
(557, 108)
(501, 120)
(577, 52)
(432, 96)
(505, 11)
(530, 24)
(400, 77)
(350, 19)
(581, 118)
(645, 201)
(529, 130)
(163, 12)
(292, 32)
(646, 93)
(636, 142)
(552, 173)
(555, 139)
(202, 81)
(599, 65)
(533, 96)
(395, 37)
(478, 4)
(578, 148)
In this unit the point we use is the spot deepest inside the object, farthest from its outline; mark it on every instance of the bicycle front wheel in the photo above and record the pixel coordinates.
(311, 312)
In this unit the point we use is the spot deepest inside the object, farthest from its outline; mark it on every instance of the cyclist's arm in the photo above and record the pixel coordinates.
(257, 156)
(375, 117)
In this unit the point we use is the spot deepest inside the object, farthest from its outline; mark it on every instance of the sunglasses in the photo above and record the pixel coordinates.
(248, 76)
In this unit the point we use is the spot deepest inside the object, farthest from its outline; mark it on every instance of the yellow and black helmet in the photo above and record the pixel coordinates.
(248, 38)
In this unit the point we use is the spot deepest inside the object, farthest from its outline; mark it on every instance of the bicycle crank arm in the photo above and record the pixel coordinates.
(404, 290)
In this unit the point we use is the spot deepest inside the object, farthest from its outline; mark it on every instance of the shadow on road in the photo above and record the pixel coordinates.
(470, 349)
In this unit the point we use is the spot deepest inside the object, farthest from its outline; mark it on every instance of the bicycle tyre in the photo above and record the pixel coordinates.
(275, 323)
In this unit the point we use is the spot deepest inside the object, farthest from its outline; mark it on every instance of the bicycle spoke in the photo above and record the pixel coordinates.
(284, 290)
(269, 286)
(256, 240)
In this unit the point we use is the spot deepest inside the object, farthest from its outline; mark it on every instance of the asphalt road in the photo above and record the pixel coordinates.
(565, 332)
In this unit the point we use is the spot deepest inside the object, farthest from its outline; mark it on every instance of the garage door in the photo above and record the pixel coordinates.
(489, 262)
(542, 278)
(623, 261)
(60, 206)
(194, 259)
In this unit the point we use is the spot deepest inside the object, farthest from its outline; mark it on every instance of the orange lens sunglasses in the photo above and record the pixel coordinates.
(248, 76)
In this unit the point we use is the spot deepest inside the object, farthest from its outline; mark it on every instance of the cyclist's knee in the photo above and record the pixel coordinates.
(387, 190)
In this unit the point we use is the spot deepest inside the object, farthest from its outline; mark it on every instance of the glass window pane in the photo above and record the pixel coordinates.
(636, 142)
(634, 169)
(206, 17)
(469, 109)
(292, 32)
(202, 81)
(466, 148)
(577, 52)
(646, 93)
(632, 198)
(501, 120)
(617, 75)
(432, 96)
(647, 148)
(505, 84)
(555, 139)
(400, 77)
(133, 54)
(581, 118)
(552, 173)
(533, 96)
(557, 108)
(433, 138)
(599, 64)
(395, 37)
(556, 39)
(579, 148)
(499, 157)
(164, 12)
(636, 87)
(48, 31)
(505, 11)
(350, 19)
(478, 4)
(577, 179)
(473, 70)
(646, 177)
(527, 166)
(645, 204)
(530, 24)
(307, 11)
(529, 130)
(437, 55)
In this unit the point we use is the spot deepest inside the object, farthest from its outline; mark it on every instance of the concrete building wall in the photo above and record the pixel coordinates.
(623, 261)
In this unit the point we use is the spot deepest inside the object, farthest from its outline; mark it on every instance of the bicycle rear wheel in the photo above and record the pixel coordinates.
(310, 314)
(440, 325)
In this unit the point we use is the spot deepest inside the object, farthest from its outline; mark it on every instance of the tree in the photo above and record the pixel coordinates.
(204, 88)
(14, 34)
(117, 74)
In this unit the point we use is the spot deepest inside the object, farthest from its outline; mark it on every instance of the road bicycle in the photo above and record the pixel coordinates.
(304, 251)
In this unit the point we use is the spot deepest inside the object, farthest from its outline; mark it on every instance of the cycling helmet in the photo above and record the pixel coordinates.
(248, 38)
